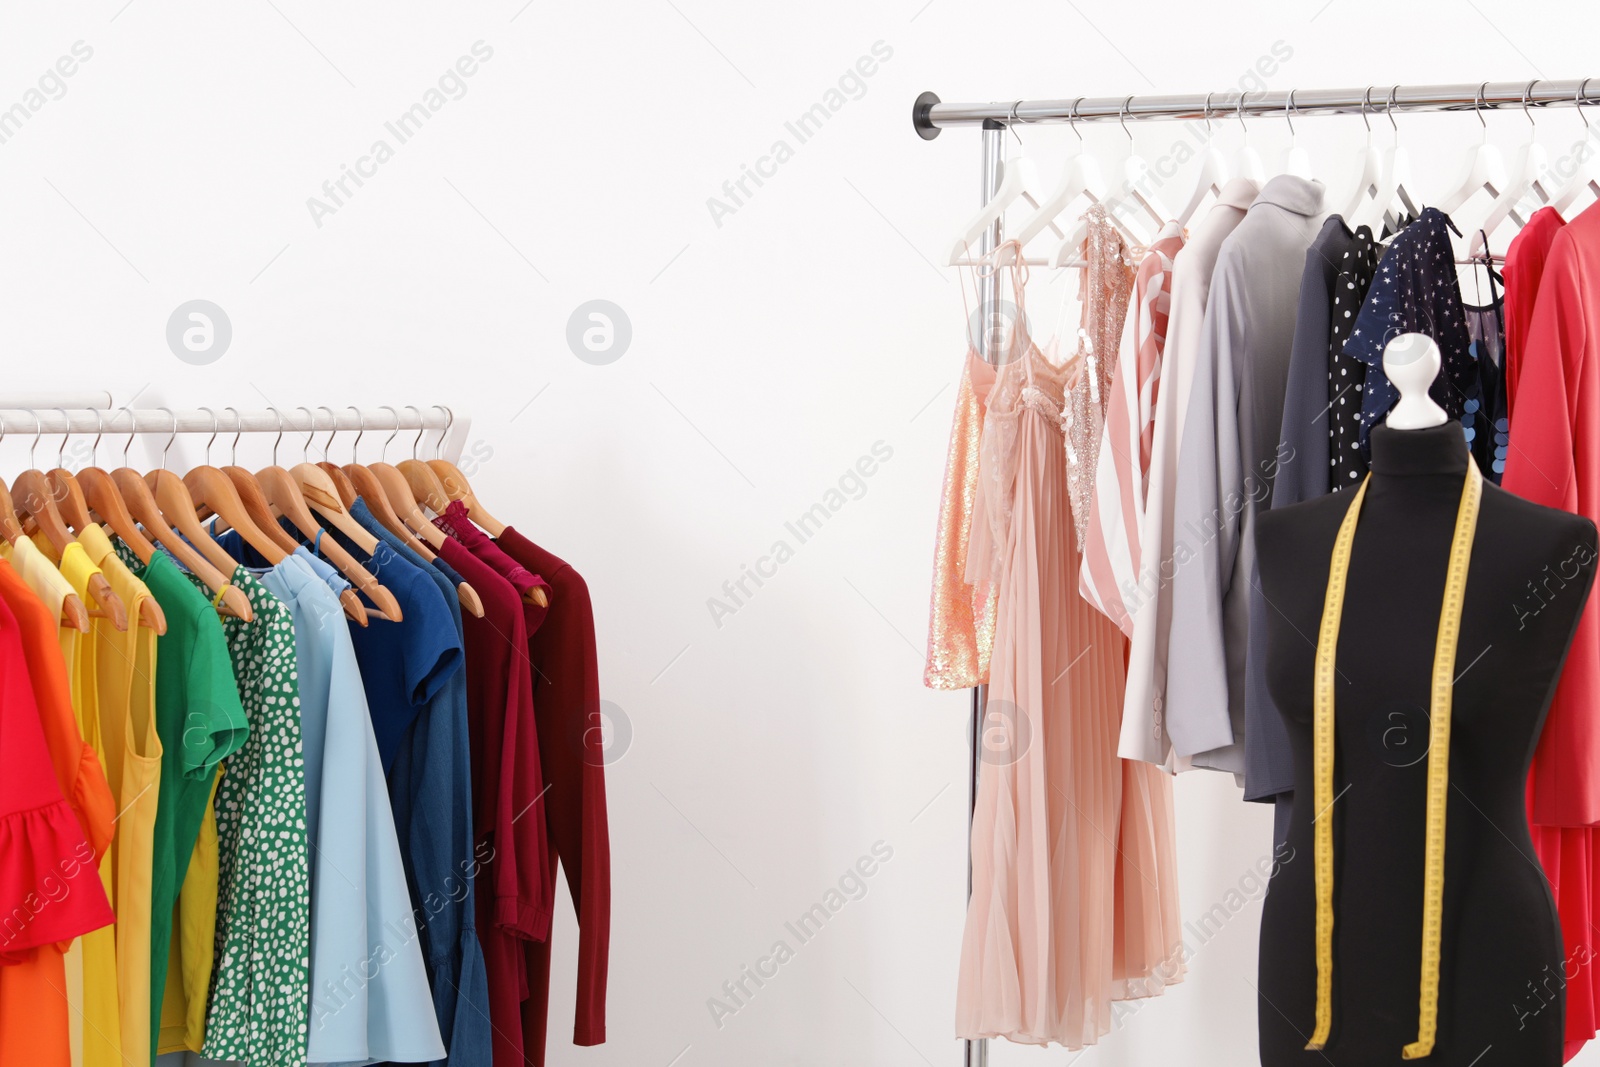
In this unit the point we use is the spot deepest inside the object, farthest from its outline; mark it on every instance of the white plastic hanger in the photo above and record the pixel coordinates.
(1019, 178)
(1483, 171)
(1131, 193)
(1213, 174)
(1532, 163)
(1393, 199)
(1117, 205)
(1082, 178)
(1296, 161)
(1586, 179)
(1363, 197)
(1247, 161)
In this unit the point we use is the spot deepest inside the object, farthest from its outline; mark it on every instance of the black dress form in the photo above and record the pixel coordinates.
(1501, 985)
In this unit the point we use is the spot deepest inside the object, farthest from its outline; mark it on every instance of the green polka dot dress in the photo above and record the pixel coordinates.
(261, 980)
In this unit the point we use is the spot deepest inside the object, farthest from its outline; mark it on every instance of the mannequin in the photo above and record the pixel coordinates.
(1501, 957)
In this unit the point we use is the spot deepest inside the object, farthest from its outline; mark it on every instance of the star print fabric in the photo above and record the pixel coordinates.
(1415, 290)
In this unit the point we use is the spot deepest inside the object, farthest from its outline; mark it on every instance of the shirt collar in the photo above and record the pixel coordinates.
(1299, 195)
(1239, 193)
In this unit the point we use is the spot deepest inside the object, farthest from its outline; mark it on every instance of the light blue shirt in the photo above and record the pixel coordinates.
(370, 999)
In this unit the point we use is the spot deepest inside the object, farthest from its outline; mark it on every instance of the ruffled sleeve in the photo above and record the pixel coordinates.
(50, 890)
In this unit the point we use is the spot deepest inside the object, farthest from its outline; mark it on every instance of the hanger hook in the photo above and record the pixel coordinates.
(305, 449)
(171, 438)
(361, 428)
(1366, 102)
(1238, 113)
(1012, 125)
(215, 422)
(333, 428)
(415, 441)
(1122, 117)
(61, 451)
(133, 431)
(1207, 116)
(383, 456)
(1478, 110)
(38, 431)
(1073, 119)
(238, 431)
(279, 416)
(449, 421)
(1581, 99)
(1527, 92)
(1288, 110)
(99, 432)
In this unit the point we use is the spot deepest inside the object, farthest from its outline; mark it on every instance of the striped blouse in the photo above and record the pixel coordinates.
(1111, 541)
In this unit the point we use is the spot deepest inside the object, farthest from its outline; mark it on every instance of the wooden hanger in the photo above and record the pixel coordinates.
(371, 490)
(341, 483)
(426, 489)
(283, 493)
(457, 487)
(73, 612)
(76, 494)
(142, 507)
(404, 505)
(322, 497)
(211, 490)
(256, 505)
(38, 500)
(105, 501)
(400, 514)
(376, 495)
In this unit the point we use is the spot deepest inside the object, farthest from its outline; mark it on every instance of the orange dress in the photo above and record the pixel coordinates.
(961, 616)
(55, 789)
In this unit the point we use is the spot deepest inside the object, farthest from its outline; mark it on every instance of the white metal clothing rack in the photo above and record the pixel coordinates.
(76, 414)
(930, 116)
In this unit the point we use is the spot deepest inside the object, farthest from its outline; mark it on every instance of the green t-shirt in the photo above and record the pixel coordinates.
(201, 722)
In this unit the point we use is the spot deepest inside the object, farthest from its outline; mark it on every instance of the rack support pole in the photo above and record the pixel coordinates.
(991, 322)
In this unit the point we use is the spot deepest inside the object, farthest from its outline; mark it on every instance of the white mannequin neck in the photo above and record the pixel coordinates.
(1411, 362)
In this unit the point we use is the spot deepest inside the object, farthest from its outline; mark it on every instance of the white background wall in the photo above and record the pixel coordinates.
(768, 354)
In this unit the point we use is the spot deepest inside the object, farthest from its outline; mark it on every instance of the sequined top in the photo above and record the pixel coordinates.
(961, 615)
(1107, 284)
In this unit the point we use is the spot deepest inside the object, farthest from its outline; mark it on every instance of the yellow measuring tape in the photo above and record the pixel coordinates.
(1444, 665)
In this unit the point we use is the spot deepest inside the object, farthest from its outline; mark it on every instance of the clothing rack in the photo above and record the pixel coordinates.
(74, 414)
(930, 116)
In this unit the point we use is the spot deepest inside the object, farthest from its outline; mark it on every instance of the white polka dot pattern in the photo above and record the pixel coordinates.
(261, 978)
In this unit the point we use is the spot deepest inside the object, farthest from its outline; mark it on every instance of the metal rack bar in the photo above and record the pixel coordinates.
(18, 420)
(930, 115)
(21, 419)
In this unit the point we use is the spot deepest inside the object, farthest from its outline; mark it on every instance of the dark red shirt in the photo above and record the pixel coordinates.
(566, 695)
(514, 885)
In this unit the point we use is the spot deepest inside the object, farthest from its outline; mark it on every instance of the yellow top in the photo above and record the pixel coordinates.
(125, 664)
(42, 576)
(183, 1008)
(101, 1020)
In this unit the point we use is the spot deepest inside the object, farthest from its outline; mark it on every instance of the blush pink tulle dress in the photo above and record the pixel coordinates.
(1074, 888)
